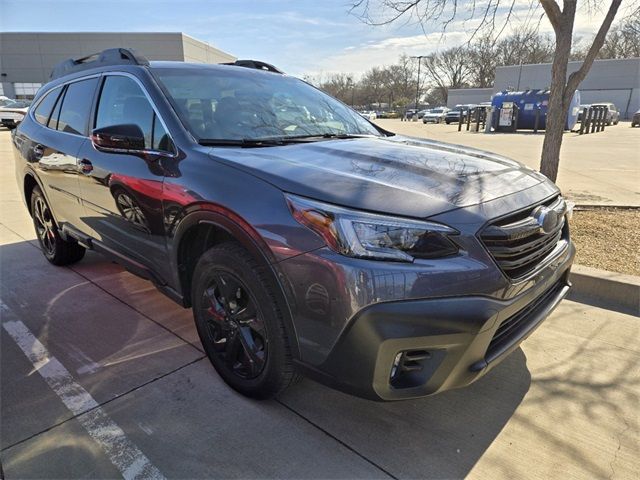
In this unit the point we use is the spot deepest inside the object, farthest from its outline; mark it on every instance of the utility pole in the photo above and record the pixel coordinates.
(419, 57)
(353, 91)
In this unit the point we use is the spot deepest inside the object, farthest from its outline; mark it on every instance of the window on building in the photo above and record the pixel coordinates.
(43, 110)
(26, 90)
(76, 104)
(122, 101)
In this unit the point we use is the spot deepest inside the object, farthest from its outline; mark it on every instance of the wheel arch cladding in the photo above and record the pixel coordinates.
(28, 185)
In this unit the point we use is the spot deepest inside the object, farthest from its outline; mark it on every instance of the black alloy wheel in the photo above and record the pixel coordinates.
(239, 315)
(235, 327)
(56, 249)
(44, 226)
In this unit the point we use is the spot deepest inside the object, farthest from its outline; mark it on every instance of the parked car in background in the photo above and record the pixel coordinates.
(409, 113)
(613, 115)
(453, 115)
(421, 113)
(318, 243)
(635, 120)
(12, 112)
(435, 115)
(389, 114)
(369, 114)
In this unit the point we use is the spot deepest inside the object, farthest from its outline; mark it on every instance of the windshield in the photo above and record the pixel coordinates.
(231, 103)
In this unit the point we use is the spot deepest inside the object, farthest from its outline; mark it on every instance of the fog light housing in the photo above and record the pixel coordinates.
(413, 368)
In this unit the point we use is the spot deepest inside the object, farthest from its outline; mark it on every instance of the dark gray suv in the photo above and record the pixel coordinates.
(306, 239)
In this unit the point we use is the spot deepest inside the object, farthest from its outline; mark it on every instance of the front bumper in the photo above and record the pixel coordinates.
(447, 342)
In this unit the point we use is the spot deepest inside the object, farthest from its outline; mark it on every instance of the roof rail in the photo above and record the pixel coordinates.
(255, 64)
(111, 56)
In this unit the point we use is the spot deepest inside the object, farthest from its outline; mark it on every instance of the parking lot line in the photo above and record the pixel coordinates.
(124, 455)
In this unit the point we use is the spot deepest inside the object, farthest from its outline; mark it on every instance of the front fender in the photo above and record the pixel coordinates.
(249, 238)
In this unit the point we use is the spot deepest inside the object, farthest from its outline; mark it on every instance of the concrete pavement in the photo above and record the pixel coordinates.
(565, 404)
(596, 169)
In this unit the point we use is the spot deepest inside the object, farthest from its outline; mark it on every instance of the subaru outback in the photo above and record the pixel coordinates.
(306, 239)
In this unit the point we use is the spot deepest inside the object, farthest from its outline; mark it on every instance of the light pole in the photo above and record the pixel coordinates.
(419, 57)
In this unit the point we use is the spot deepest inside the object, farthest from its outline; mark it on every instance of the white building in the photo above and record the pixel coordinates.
(27, 58)
(616, 80)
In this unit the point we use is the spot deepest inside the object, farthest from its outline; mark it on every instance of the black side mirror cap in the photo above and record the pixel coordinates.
(125, 138)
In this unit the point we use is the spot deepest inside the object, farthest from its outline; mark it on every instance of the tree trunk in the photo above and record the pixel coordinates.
(558, 107)
(562, 89)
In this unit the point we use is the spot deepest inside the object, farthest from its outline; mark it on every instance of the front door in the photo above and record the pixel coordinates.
(122, 192)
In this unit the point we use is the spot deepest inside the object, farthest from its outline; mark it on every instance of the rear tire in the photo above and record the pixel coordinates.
(240, 323)
(55, 249)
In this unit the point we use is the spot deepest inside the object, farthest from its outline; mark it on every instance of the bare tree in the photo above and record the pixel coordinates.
(483, 61)
(523, 47)
(448, 69)
(623, 41)
(493, 16)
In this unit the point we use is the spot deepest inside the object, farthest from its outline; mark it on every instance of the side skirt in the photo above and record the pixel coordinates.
(128, 263)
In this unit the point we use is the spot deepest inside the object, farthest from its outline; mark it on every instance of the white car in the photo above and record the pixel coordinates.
(435, 115)
(368, 114)
(12, 112)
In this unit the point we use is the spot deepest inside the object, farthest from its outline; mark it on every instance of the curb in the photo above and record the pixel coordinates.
(582, 207)
(610, 290)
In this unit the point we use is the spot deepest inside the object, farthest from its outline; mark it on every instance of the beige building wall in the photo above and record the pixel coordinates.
(27, 58)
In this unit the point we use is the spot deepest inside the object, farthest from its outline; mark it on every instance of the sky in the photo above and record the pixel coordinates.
(300, 37)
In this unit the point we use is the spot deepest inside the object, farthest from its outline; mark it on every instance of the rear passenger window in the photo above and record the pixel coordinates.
(122, 101)
(76, 104)
(43, 110)
(53, 119)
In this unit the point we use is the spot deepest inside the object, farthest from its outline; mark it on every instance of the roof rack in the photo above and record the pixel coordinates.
(258, 65)
(111, 56)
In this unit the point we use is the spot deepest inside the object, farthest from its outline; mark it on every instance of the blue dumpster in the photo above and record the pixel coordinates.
(528, 101)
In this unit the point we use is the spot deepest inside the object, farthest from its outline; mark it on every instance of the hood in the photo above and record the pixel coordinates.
(397, 175)
(22, 110)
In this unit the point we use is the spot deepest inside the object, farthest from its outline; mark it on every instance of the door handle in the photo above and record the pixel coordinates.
(38, 151)
(86, 166)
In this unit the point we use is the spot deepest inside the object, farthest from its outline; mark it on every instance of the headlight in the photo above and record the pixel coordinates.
(368, 235)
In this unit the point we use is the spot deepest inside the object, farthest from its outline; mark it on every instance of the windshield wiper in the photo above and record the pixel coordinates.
(338, 136)
(275, 141)
(244, 142)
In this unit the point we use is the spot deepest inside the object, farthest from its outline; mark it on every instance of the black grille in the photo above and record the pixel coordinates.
(518, 243)
(517, 325)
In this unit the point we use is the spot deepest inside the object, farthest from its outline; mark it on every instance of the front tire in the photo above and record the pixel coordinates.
(55, 249)
(240, 323)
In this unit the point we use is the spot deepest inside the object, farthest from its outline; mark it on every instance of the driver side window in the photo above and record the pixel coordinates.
(122, 101)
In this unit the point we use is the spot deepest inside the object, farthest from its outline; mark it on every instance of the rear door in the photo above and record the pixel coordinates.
(122, 192)
(54, 141)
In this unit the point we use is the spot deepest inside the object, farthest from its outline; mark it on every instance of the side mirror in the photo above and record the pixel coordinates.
(119, 138)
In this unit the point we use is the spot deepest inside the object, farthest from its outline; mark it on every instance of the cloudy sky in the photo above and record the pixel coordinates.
(299, 36)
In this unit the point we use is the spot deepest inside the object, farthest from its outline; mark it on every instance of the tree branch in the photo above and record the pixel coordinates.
(553, 12)
(576, 77)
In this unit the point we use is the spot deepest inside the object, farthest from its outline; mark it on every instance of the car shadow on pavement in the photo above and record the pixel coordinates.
(442, 436)
(436, 437)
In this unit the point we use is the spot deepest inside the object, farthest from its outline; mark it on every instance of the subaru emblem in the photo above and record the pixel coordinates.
(546, 218)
